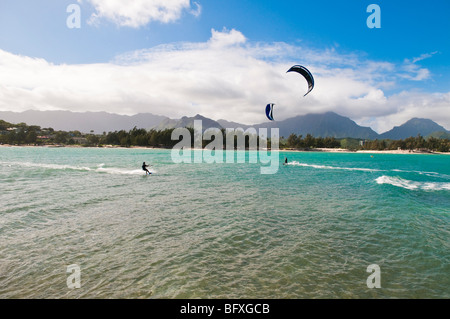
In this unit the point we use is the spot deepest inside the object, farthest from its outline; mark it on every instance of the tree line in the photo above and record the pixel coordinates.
(411, 143)
(20, 134)
(298, 142)
(163, 138)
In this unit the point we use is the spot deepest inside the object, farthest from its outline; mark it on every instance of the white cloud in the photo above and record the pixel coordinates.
(225, 77)
(226, 38)
(197, 11)
(412, 71)
(424, 56)
(137, 13)
(408, 104)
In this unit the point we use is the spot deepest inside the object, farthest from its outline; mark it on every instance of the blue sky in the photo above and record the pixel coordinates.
(409, 56)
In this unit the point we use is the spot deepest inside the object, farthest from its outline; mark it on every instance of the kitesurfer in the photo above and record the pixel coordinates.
(144, 167)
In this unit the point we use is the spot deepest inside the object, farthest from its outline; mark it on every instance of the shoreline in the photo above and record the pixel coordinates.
(323, 150)
(341, 150)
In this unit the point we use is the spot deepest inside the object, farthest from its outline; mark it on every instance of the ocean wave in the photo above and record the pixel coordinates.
(99, 169)
(362, 169)
(295, 163)
(431, 174)
(120, 171)
(412, 185)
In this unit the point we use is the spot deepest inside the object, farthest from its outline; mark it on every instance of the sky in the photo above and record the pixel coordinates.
(228, 59)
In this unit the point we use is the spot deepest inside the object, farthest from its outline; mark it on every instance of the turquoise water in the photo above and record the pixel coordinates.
(222, 230)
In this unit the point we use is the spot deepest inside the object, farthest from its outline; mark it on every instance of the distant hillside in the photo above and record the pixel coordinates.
(187, 122)
(165, 124)
(84, 122)
(228, 124)
(413, 127)
(327, 124)
(318, 125)
(322, 125)
(441, 134)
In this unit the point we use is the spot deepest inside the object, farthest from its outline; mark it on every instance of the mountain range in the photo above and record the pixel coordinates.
(318, 125)
(84, 122)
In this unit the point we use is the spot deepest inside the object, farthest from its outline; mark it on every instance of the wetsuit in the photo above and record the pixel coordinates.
(144, 167)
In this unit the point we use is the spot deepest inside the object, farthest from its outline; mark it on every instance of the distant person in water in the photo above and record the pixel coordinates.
(144, 167)
(285, 161)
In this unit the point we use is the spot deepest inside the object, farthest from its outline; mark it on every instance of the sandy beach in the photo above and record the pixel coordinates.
(341, 150)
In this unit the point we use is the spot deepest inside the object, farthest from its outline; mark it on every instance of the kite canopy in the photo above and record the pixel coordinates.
(305, 72)
(269, 111)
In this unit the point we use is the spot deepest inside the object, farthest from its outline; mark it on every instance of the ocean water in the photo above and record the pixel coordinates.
(222, 230)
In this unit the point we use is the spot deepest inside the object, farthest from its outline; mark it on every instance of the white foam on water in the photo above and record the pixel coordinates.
(295, 163)
(120, 171)
(431, 174)
(412, 185)
(100, 168)
(49, 166)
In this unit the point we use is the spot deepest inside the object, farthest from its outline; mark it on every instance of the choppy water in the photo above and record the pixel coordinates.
(222, 230)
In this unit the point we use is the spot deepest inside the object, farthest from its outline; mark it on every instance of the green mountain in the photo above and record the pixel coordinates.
(187, 122)
(234, 125)
(328, 124)
(413, 127)
(84, 122)
(440, 134)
